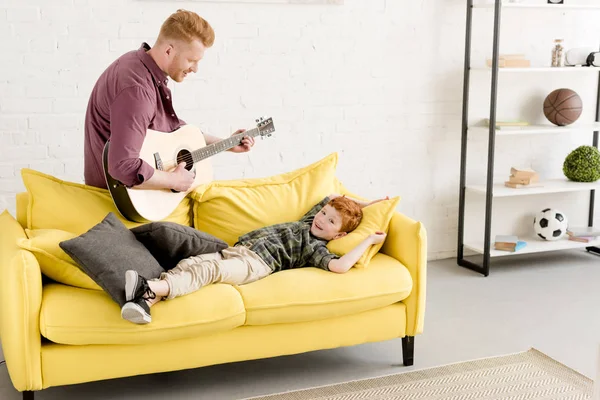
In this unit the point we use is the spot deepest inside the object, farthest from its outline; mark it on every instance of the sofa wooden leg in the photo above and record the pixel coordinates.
(28, 395)
(408, 350)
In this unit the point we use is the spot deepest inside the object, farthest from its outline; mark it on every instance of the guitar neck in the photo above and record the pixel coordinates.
(223, 145)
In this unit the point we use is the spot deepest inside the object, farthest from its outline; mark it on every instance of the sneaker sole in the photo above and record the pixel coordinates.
(131, 278)
(134, 313)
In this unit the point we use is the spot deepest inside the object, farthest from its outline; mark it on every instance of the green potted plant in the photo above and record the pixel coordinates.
(583, 164)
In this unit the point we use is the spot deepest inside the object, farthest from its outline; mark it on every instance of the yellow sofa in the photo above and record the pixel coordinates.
(54, 334)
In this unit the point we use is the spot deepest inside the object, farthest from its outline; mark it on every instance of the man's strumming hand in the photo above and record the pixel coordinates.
(182, 179)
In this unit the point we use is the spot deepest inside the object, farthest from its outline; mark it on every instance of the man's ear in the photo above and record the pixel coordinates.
(340, 235)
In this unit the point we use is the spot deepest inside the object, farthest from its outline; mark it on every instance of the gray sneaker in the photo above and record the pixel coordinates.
(136, 311)
(136, 287)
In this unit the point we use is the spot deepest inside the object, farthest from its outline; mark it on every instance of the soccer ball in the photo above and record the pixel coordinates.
(550, 224)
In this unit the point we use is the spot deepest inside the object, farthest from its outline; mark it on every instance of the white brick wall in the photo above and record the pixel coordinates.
(378, 81)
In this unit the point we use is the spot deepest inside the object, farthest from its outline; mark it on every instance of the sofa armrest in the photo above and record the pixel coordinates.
(407, 243)
(20, 303)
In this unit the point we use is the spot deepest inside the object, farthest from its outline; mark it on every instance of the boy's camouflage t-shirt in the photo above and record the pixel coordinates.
(290, 245)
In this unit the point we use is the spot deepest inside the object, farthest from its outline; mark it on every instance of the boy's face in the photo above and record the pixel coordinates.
(327, 224)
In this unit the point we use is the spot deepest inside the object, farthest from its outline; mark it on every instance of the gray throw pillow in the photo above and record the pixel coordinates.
(107, 251)
(170, 243)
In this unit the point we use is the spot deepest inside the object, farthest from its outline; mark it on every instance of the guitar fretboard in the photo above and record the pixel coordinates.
(223, 145)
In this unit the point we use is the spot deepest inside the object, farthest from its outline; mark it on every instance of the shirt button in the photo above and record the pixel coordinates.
(172, 115)
(168, 97)
(166, 81)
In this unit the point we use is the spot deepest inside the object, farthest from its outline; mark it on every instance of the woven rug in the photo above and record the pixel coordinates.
(527, 375)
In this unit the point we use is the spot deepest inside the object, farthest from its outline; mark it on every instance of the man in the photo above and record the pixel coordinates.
(132, 96)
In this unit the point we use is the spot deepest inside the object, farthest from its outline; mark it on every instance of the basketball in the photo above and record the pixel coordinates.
(563, 107)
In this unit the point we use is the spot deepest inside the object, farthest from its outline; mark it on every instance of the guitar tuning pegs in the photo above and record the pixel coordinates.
(256, 120)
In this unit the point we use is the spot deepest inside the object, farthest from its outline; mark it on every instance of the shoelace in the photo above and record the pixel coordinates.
(148, 293)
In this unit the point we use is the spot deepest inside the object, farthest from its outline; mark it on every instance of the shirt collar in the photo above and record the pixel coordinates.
(159, 76)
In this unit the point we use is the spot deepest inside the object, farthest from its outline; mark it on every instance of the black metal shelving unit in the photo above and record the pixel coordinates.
(484, 267)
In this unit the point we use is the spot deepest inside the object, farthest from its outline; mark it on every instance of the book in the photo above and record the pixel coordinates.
(517, 56)
(507, 63)
(522, 172)
(507, 123)
(520, 245)
(511, 127)
(508, 239)
(516, 247)
(582, 239)
(524, 180)
(522, 186)
(583, 231)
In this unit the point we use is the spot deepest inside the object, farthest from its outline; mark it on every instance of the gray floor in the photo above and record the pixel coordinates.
(550, 302)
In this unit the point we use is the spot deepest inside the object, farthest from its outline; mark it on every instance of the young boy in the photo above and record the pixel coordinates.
(256, 255)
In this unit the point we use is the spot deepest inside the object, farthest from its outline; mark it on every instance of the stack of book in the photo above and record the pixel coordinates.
(508, 243)
(508, 124)
(522, 177)
(583, 234)
(511, 61)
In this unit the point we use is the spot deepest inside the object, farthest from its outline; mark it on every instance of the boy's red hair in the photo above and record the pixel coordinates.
(350, 212)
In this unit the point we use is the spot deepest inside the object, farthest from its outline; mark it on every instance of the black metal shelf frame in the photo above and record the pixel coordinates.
(484, 267)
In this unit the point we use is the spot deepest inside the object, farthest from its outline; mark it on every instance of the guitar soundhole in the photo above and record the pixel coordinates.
(185, 155)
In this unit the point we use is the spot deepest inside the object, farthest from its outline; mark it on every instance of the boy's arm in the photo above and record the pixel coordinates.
(343, 264)
(361, 203)
(316, 208)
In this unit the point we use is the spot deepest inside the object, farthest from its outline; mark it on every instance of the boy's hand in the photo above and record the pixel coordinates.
(376, 201)
(377, 237)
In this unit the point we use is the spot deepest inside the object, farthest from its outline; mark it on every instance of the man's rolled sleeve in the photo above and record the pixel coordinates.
(130, 116)
(321, 257)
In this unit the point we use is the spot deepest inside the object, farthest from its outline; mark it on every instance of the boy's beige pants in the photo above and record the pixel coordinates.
(237, 266)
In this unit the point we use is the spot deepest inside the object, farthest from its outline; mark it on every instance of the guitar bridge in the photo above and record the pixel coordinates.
(158, 162)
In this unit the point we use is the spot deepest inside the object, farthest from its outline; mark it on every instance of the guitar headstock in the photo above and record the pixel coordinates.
(265, 126)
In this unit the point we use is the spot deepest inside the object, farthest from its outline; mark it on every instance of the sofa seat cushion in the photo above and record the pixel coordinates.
(76, 316)
(310, 294)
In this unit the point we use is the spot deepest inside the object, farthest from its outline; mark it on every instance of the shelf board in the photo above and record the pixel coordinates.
(534, 245)
(549, 186)
(555, 7)
(540, 69)
(537, 129)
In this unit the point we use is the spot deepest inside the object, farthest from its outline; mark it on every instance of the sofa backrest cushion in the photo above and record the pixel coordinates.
(74, 207)
(229, 209)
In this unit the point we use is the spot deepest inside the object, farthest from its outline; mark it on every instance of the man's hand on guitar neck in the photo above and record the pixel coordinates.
(246, 145)
(243, 147)
(180, 179)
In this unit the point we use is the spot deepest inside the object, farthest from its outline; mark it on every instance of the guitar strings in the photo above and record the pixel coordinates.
(190, 157)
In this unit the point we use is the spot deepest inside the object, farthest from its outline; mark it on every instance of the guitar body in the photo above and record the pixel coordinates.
(160, 150)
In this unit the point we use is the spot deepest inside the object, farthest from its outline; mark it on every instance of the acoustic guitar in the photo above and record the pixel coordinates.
(165, 151)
